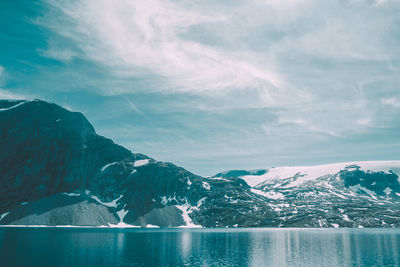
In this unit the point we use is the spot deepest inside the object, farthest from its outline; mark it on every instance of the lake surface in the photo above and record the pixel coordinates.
(198, 247)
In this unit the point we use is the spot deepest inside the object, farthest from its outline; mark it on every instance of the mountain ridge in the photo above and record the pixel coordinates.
(56, 170)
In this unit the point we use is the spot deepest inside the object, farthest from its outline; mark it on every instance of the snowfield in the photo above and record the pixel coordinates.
(302, 174)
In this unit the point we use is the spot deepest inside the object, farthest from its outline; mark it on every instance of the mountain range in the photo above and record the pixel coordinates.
(55, 170)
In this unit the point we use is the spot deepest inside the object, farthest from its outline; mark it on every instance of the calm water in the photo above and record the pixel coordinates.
(203, 247)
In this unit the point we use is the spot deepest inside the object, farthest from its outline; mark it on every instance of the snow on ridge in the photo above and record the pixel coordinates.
(307, 173)
(4, 215)
(107, 165)
(141, 162)
(12, 107)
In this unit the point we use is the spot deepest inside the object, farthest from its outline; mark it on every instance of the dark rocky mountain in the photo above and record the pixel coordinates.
(55, 170)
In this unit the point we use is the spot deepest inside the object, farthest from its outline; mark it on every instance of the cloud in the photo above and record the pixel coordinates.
(7, 94)
(391, 101)
(321, 63)
(135, 108)
(58, 54)
(137, 38)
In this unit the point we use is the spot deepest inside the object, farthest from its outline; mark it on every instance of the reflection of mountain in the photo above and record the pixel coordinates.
(55, 170)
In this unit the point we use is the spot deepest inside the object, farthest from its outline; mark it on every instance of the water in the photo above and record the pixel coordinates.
(202, 247)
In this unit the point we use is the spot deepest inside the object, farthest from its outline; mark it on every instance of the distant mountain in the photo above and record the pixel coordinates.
(56, 171)
(350, 194)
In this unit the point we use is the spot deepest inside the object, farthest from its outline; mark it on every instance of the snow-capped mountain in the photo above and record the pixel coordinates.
(350, 194)
(55, 170)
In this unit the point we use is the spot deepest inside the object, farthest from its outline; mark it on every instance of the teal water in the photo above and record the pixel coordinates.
(198, 247)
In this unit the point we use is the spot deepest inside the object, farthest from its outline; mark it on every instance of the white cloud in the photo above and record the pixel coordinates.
(7, 94)
(141, 37)
(318, 62)
(364, 121)
(391, 101)
(58, 54)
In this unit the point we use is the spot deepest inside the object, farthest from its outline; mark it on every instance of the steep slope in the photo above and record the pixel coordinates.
(47, 150)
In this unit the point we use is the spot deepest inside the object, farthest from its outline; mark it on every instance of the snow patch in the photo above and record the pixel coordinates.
(24, 203)
(206, 186)
(165, 200)
(200, 202)
(346, 218)
(387, 190)
(71, 194)
(132, 172)
(121, 214)
(112, 204)
(122, 225)
(219, 178)
(335, 225)
(152, 226)
(338, 195)
(185, 208)
(359, 189)
(269, 194)
(141, 162)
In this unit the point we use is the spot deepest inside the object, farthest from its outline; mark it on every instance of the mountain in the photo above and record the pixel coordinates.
(55, 170)
(350, 194)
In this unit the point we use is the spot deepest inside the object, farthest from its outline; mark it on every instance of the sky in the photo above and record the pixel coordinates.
(216, 85)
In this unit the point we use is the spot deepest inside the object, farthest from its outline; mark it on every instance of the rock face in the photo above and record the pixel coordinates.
(55, 170)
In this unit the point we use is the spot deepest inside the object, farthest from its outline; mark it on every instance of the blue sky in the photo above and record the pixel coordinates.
(216, 85)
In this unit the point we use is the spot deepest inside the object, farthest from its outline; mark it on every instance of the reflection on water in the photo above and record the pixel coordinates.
(200, 247)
